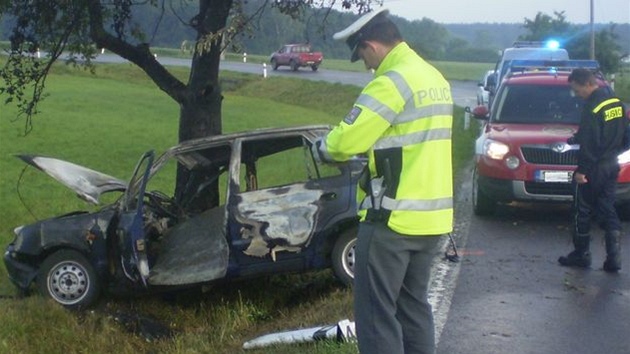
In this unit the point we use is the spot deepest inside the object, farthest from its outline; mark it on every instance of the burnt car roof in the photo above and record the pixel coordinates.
(216, 140)
(90, 184)
(223, 138)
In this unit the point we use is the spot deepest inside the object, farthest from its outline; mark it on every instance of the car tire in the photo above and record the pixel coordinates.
(274, 64)
(294, 65)
(314, 67)
(343, 256)
(482, 204)
(67, 277)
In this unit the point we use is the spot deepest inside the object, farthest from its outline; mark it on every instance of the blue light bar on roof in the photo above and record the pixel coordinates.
(552, 44)
(520, 65)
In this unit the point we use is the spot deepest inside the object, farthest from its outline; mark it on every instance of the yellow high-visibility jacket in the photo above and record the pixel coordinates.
(403, 121)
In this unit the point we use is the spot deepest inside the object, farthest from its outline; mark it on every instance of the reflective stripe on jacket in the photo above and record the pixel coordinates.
(403, 121)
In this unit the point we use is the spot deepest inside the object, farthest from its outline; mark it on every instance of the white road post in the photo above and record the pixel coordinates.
(467, 116)
(265, 70)
(244, 57)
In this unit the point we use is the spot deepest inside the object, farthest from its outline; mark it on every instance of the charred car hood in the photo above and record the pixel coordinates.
(531, 133)
(87, 183)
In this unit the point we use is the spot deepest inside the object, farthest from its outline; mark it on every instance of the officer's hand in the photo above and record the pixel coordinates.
(580, 178)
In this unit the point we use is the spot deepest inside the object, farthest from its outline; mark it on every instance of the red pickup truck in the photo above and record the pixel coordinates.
(295, 56)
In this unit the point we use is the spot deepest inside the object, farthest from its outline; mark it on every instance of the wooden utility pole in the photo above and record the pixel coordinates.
(592, 51)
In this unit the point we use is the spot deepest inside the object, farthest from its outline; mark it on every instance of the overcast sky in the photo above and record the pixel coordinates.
(510, 11)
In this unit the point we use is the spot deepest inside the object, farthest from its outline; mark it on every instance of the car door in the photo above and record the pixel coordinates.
(282, 200)
(130, 229)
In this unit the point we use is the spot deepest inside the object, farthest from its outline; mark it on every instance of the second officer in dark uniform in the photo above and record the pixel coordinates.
(601, 139)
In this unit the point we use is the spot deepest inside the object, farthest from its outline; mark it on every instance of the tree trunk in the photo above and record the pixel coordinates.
(200, 109)
(199, 118)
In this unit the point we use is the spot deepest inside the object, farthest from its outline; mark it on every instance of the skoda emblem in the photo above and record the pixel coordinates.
(559, 147)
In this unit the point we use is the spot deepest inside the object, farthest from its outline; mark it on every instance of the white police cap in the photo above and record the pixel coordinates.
(352, 33)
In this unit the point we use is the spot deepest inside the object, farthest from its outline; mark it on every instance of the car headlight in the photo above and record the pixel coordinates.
(624, 157)
(494, 149)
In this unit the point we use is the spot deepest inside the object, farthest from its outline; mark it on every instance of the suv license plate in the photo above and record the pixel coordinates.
(554, 176)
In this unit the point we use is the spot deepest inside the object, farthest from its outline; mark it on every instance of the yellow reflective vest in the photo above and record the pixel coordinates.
(403, 121)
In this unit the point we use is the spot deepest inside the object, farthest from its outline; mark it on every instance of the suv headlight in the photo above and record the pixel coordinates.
(624, 157)
(495, 150)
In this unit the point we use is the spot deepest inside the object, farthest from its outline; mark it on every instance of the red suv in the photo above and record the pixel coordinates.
(522, 152)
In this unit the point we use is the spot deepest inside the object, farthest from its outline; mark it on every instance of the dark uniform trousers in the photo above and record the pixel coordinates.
(597, 198)
(392, 273)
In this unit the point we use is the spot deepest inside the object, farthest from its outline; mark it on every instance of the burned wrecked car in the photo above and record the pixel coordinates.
(279, 211)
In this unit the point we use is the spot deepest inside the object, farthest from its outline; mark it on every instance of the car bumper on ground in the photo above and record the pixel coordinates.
(509, 190)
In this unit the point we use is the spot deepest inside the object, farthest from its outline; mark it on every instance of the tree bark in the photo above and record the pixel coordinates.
(200, 109)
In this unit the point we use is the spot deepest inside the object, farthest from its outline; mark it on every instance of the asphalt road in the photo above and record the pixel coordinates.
(464, 92)
(508, 294)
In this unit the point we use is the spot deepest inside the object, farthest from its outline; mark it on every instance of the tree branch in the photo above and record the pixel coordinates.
(139, 54)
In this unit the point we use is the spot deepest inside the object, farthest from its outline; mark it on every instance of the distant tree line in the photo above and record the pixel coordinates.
(479, 42)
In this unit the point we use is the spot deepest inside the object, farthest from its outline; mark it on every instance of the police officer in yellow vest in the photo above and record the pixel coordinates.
(402, 120)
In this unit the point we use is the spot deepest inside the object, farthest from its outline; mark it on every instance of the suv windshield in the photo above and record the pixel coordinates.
(536, 104)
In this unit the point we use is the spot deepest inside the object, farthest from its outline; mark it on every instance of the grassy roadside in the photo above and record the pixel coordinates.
(106, 122)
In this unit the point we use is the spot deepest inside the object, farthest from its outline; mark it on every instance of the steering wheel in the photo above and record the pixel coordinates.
(163, 203)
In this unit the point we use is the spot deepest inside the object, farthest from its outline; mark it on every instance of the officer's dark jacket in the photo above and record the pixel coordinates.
(601, 133)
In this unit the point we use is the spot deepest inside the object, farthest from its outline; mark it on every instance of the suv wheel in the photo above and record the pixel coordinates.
(482, 204)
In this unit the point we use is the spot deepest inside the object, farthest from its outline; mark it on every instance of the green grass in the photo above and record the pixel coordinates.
(105, 122)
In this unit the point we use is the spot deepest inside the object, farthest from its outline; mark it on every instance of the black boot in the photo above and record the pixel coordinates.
(580, 257)
(613, 251)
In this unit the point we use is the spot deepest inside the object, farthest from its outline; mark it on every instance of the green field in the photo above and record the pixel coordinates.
(105, 122)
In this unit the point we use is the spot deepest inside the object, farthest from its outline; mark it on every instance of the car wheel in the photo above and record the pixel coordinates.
(274, 64)
(294, 65)
(67, 277)
(314, 67)
(482, 204)
(343, 256)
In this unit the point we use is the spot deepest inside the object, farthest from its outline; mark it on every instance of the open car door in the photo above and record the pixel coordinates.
(130, 230)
